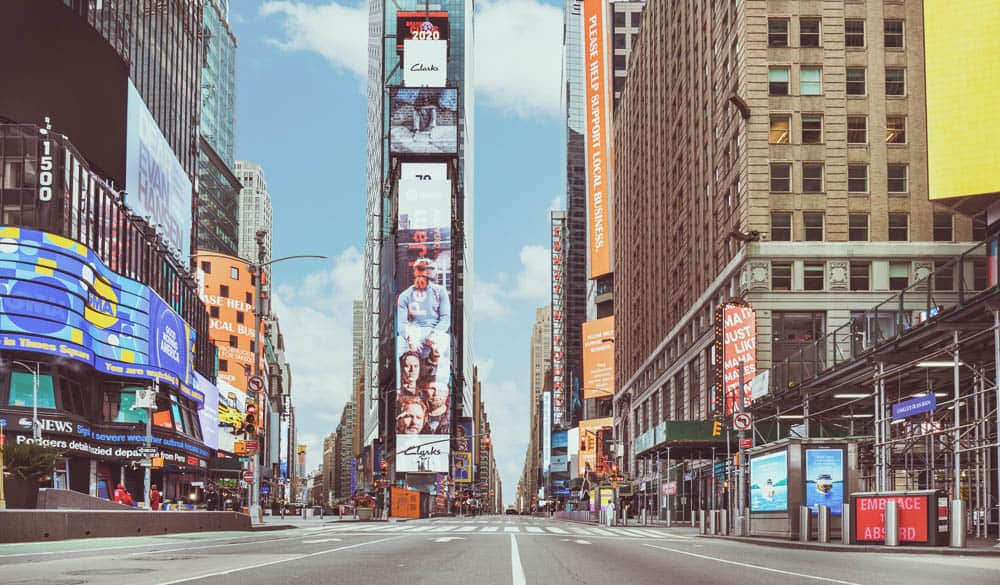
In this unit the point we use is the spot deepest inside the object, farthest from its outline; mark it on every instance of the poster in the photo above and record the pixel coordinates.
(423, 120)
(463, 467)
(825, 479)
(769, 482)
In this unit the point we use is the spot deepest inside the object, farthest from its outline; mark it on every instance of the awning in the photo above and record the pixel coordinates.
(689, 439)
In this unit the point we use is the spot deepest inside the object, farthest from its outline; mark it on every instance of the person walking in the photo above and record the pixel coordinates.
(154, 497)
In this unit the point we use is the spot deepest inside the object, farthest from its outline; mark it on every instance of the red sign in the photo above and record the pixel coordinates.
(248, 476)
(192, 460)
(869, 514)
(746, 444)
(419, 25)
(739, 344)
(251, 446)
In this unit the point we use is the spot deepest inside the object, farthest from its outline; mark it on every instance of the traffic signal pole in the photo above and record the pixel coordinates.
(258, 313)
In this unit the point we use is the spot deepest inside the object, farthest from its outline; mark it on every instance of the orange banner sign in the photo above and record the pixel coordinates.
(599, 175)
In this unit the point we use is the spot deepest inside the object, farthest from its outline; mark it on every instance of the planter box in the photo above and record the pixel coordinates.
(21, 494)
(365, 513)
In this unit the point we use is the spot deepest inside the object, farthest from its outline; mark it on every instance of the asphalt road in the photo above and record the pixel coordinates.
(487, 551)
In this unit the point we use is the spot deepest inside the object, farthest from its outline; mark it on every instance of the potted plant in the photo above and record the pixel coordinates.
(366, 507)
(26, 466)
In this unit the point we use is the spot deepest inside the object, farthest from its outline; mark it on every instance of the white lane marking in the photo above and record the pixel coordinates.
(447, 538)
(490, 528)
(321, 540)
(468, 529)
(443, 528)
(269, 563)
(556, 530)
(511, 529)
(749, 566)
(581, 542)
(627, 532)
(602, 532)
(516, 570)
(579, 530)
(535, 529)
(422, 528)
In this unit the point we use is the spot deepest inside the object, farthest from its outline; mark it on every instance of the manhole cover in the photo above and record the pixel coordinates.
(110, 571)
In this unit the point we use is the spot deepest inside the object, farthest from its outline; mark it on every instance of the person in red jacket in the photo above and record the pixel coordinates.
(154, 498)
(122, 496)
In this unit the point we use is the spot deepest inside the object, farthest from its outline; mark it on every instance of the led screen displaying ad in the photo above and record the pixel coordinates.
(157, 186)
(232, 406)
(425, 63)
(825, 479)
(423, 121)
(420, 25)
(591, 432)
(422, 454)
(208, 414)
(423, 171)
(462, 437)
(739, 345)
(598, 358)
(463, 467)
(769, 482)
(58, 298)
(558, 304)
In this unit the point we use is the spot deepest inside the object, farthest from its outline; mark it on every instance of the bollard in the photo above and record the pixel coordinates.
(702, 527)
(891, 523)
(957, 532)
(724, 522)
(805, 518)
(845, 525)
(823, 524)
(713, 521)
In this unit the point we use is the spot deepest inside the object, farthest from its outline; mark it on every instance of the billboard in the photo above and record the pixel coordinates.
(960, 57)
(423, 121)
(590, 442)
(423, 171)
(232, 407)
(425, 63)
(599, 170)
(769, 482)
(736, 340)
(57, 297)
(421, 25)
(208, 414)
(462, 473)
(422, 454)
(599, 358)
(157, 186)
(825, 479)
(463, 435)
(558, 317)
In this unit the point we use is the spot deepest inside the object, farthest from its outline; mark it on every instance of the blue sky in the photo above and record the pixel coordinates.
(301, 114)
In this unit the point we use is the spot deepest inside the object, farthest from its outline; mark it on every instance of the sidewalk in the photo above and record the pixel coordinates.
(975, 546)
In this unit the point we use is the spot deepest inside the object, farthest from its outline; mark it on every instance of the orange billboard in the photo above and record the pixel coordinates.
(405, 503)
(591, 432)
(599, 169)
(599, 358)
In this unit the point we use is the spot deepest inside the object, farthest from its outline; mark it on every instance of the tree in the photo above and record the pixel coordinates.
(29, 461)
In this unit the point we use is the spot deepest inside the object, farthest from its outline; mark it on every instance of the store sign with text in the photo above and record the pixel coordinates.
(422, 453)
(425, 63)
(558, 317)
(599, 358)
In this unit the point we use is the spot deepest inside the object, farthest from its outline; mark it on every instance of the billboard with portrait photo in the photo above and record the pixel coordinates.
(423, 121)
(463, 467)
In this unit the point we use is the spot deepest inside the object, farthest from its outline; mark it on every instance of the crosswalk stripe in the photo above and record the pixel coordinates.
(602, 532)
(511, 529)
(468, 529)
(422, 528)
(579, 530)
(443, 528)
(490, 528)
(556, 530)
(628, 532)
(647, 533)
(535, 529)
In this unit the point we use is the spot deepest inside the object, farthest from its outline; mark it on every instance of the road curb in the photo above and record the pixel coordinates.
(911, 550)
(270, 527)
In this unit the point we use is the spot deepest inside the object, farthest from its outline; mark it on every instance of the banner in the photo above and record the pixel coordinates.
(558, 286)
(425, 63)
(599, 358)
(423, 120)
(598, 137)
(739, 344)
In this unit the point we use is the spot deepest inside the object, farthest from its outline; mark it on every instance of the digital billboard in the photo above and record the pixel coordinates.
(769, 482)
(421, 25)
(558, 286)
(825, 479)
(157, 186)
(598, 358)
(736, 337)
(208, 412)
(590, 442)
(462, 473)
(599, 169)
(423, 121)
(419, 171)
(960, 56)
(58, 298)
(425, 63)
(422, 454)
(232, 407)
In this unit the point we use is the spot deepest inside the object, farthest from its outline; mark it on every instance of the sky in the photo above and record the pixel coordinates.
(301, 113)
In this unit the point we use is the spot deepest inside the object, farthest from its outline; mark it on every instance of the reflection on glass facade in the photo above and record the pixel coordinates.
(218, 204)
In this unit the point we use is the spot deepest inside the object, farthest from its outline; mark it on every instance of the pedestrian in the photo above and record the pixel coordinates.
(154, 497)
(282, 506)
(122, 496)
(625, 515)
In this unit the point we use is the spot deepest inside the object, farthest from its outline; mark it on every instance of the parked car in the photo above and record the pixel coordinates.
(511, 512)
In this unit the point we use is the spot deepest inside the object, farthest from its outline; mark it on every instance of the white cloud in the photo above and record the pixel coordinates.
(533, 281)
(337, 32)
(518, 47)
(494, 298)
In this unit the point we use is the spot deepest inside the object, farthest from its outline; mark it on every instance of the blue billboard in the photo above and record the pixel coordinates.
(57, 297)
(769, 482)
(560, 440)
(825, 479)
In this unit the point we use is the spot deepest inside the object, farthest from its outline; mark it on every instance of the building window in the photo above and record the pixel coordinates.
(249, 298)
(777, 32)
(234, 273)
(213, 312)
(899, 275)
(812, 275)
(22, 389)
(812, 177)
(780, 124)
(240, 317)
(895, 81)
(899, 227)
(854, 33)
(233, 341)
(812, 128)
(223, 365)
(791, 332)
(781, 177)
(857, 227)
(781, 226)
(894, 34)
(857, 178)
(861, 275)
(809, 32)
(636, 19)
(895, 130)
(619, 18)
(224, 291)
(810, 81)
(206, 267)
(781, 276)
(942, 227)
(857, 130)
(979, 228)
(944, 275)
(777, 81)
(897, 178)
(812, 223)
(856, 81)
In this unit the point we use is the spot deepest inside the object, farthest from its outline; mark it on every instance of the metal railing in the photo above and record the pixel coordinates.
(952, 284)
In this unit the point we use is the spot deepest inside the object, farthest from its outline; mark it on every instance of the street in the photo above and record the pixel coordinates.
(458, 551)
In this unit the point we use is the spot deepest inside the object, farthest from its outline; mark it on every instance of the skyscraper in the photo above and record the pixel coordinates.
(255, 210)
(625, 22)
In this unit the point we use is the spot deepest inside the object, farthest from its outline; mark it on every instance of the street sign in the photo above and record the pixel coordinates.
(251, 446)
(148, 451)
(145, 462)
(746, 444)
(255, 384)
(918, 405)
(157, 462)
(742, 421)
(240, 447)
(248, 476)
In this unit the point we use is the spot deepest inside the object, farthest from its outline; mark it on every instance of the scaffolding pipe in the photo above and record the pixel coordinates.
(957, 459)
(996, 388)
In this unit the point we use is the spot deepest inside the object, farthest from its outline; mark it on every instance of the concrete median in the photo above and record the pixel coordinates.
(45, 525)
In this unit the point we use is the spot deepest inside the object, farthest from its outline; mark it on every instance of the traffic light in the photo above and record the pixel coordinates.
(716, 428)
(250, 420)
(486, 442)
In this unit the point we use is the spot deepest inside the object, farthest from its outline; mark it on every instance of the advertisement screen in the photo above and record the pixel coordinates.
(463, 435)
(157, 186)
(421, 26)
(425, 63)
(423, 120)
(57, 297)
(825, 479)
(769, 482)
(590, 435)
(598, 358)
(558, 299)
(422, 454)
(739, 343)
(462, 473)
(914, 514)
(208, 414)
(599, 170)
(559, 440)
(232, 406)
(423, 172)
(960, 55)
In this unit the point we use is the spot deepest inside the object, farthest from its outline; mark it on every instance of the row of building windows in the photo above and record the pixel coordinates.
(860, 276)
(814, 180)
(810, 33)
(858, 227)
(811, 80)
(811, 129)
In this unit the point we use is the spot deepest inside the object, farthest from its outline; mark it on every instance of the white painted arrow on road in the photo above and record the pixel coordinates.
(448, 538)
(576, 541)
